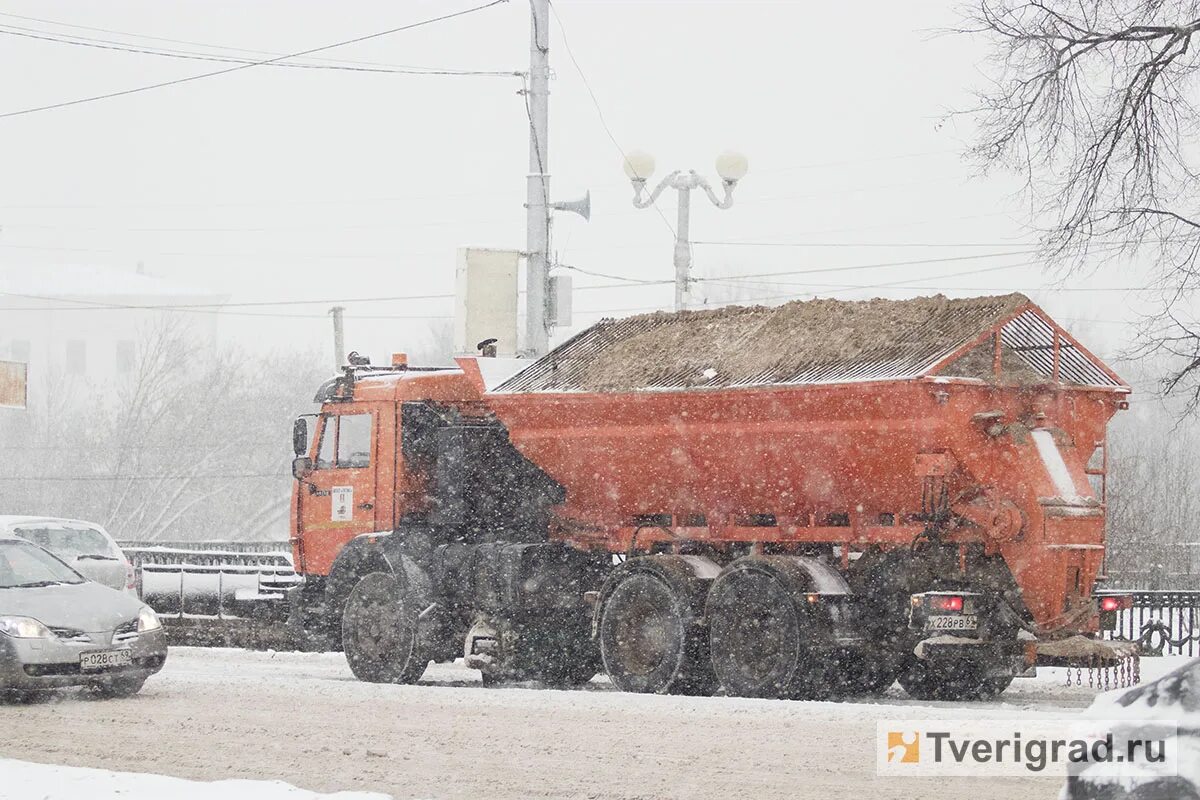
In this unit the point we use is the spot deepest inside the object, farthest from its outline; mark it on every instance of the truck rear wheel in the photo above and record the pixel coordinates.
(652, 641)
(765, 643)
(380, 630)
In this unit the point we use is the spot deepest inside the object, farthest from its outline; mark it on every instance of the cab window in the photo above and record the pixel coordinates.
(325, 450)
(345, 442)
(354, 441)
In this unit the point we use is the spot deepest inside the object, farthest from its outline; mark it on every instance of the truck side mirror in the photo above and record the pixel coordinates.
(300, 436)
(302, 467)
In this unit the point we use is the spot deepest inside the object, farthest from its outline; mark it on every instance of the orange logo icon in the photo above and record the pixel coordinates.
(903, 747)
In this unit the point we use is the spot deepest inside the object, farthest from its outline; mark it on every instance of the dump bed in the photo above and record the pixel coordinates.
(817, 342)
(831, 421)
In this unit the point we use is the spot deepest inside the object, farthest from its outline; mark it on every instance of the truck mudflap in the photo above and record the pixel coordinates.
(1111, 664)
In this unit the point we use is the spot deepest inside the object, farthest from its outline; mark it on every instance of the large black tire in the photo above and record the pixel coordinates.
(380, 630)
(765, 641)
(652, 640)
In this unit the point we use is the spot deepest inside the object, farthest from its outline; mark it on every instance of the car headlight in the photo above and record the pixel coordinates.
(148, 620)
(24, 628)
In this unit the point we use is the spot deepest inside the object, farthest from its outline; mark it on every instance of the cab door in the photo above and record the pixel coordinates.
(339, 501)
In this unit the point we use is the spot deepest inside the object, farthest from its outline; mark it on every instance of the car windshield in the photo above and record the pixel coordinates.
(23, 564)
(67, 542)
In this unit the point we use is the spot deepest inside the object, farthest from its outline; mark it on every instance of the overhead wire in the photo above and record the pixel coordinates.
(859, 244)
(239, 67)
(623, 282)
(109, 478)
(562, 31)
(12, 30)
(188, 43)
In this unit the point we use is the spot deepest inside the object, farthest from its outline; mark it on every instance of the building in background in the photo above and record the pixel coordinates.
(78, 327)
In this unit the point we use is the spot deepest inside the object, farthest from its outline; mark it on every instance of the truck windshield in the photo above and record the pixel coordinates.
(24, 564)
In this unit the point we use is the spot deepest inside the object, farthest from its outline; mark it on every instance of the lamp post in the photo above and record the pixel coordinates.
(731, 167)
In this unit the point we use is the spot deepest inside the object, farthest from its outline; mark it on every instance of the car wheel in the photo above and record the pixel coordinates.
(119, 687)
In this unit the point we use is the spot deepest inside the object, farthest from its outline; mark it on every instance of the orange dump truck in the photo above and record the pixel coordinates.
(814, 499)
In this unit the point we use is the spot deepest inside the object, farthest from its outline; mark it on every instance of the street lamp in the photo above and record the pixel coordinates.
(639, 166)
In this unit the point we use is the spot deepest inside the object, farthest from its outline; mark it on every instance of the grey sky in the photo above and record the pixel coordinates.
(302, 184)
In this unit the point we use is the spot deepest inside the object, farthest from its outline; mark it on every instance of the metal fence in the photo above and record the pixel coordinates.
(1163, 622)
(212, 546)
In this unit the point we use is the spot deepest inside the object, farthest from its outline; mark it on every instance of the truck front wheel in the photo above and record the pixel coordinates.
(380, 630)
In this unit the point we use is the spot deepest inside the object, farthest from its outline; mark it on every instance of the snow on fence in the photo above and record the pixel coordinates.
(215, 580)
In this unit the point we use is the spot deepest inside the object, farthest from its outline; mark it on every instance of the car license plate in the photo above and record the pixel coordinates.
(105, 659)
(958, 622)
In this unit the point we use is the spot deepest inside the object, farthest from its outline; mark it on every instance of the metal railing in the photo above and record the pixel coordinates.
(1163, 622)
(210, 580)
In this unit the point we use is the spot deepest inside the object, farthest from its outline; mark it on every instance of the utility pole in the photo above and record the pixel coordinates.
(339, 338)
(537, 193)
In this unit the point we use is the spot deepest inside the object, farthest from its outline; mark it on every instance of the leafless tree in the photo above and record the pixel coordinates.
(193, 445)
(1093, 102)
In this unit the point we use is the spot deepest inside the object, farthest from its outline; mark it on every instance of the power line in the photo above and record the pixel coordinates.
(194, 254)
(562, 31)
(101, 44)
(851, 162)
(859, 244)
(897, 286)
(239, 67)
(150, 37)
(111, 478)
(628, 281)
(736, 282)
(883, 264)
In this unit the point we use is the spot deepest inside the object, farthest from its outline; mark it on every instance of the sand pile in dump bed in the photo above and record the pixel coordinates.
(742, 343)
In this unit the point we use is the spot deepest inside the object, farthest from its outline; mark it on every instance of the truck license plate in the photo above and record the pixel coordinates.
(105, 659)
(959, 622)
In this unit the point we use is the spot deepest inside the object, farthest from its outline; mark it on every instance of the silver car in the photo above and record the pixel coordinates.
(85, 546)
(59, 629)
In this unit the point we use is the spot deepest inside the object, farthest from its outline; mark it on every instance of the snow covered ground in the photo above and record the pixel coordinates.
(20, 780)
(301, 718)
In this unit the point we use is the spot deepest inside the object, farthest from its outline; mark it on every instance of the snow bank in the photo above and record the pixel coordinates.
(21, 780)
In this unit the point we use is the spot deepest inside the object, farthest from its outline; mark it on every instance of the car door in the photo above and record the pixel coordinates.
(339, 503)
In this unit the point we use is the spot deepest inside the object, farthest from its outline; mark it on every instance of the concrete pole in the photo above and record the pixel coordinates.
(537, 190)
(339, 338)
(683, 248)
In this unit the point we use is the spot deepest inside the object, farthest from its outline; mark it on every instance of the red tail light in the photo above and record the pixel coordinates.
(946, 602)
(1115, 602)
(130, 576)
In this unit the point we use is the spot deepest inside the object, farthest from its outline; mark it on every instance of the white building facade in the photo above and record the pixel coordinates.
(79, 327)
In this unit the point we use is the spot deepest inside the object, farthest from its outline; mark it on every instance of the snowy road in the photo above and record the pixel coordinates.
(302, 718)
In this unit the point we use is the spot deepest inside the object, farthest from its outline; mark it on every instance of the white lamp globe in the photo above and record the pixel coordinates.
(639, 165)
(732, 166)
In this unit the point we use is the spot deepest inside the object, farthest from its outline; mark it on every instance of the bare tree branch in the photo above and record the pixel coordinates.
(1093, 102)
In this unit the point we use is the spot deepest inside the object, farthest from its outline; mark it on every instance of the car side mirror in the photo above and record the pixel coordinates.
(302, 467)
(300, 436)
